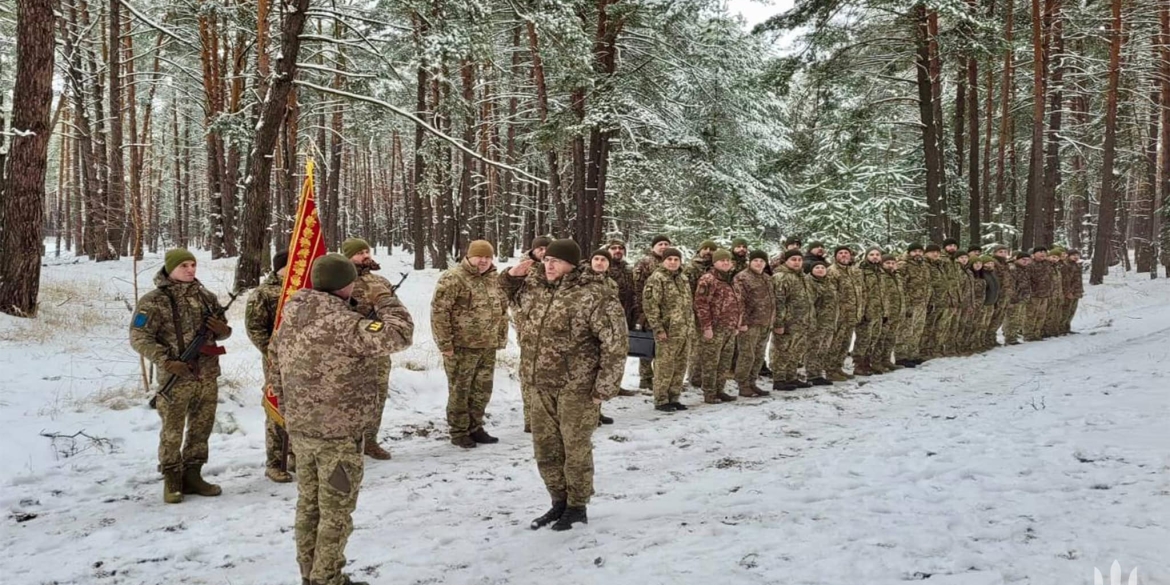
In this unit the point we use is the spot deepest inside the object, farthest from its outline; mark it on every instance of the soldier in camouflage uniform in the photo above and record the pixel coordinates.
(719, 315)
(260, 321)
(1007, 288)
(971, 331)
(1056, 303)
(699, 265)
(598, 265)
(962, 327)
(851, 309)
(739, 255)
(991, 295)
(759, 312)
(324, 360)
(574, 327)
(535, 259)
(825, 314)
(469, 322)
(358, 251)
(642, 272)
(1074, 290)
(165, 322)
(894, 306)
(623, 276)
(869, 330)
(669, 313)
(944, 302)
(1017, 319)
(915, 274)
(1040, 281)
(791, 243)
(793, 323)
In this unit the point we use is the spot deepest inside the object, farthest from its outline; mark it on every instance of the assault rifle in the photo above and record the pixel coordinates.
(195, 348)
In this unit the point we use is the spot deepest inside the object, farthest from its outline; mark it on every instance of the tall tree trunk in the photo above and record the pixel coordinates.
(116, 190)
(1047, 209)
(1035, 188)
(418, 222)
(1163, 217)
(22, 206)
(1007, 95)
(973, 218)
(935, 175)
(554, 171)
(1102, 254)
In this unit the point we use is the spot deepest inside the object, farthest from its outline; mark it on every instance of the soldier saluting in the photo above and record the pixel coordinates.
(324, 369)
(165, 322)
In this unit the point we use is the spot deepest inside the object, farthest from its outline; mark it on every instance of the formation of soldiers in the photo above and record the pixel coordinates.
(717, 318)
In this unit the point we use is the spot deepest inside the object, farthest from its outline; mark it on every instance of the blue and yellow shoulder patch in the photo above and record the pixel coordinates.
(140, 320)
(375, 326)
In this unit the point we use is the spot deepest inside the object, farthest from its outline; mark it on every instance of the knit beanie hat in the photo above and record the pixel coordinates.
(1021, 255)
(737, 242)
(888, 258)
(540, 242)
(1056, 250)
(792, 253)
(1073, 253)
(817, 263)
(671, 252)
(1039, 249)
(913, 247)
(176, 257)
(976, 249)
(997, 248)
(280, 260)
(616, 242)
(815, 245)
(333, 272)
(933, 248)
(480, 249)
(793, 240)
(708, 245)
(950, 242)
(842, 247)
(659, 238)
(721, 254)
(602, 252)
(758, 254)
(987, 259)
(353, 246)
(565, 249)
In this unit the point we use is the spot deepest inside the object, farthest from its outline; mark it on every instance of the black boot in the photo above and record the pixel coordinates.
(679, 406)
(480, 436)
(820, 381)
(605, 420)
(784, 386)
(765, 372)
(802, 385)
(554, 513)
(572, 515)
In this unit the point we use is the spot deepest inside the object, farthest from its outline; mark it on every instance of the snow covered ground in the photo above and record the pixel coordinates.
(1026, 465)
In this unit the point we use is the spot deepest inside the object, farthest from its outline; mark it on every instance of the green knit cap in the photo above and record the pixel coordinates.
(987, 259)
(333, 272)
(353, 246)
(176, 257)
(721, 254)
(737, 242)
(708, 245)
(1056, 250)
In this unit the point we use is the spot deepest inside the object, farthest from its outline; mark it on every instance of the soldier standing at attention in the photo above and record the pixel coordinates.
(851, 309)
(739, 255)
(916, 276)
(642, 272)
(469, 322)
(793, 324)
(573, 325)
(324, 359)
(759, 311)
(1074, 289)
(699, 265)
(358, 252)
(670, 314)
(825, 315)
(260, 321)
(719, 312)
(164, 324)
(622, 275)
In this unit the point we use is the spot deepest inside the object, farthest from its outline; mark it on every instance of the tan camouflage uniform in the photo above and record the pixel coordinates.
(695, 270)
(894, 308)
(668, 309)
(366, 280)
(260, 320)
(851, 309)
(1074, 291)
(943, 308)
(794, 312)
(1054, 319)
(1003, 304)
(825, 307)
(323, 360)
(642, 271)
(469, 316)
(916, 276)
(1040, 279)
(759, 312)
(1021, 299)
(164, 323)
(869, 331)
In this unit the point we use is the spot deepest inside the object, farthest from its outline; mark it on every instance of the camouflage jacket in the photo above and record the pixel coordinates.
(915, 275)
(824, 301)
(642, 272)
(717, 304)
(573, 329)
(978, 289)
(324, 360)
(740, 263)
(668, 304)
(956, 280)
(1074, 286)
(994, 289)
(1022, 278)
(260, 316)
(893, 294)
(943, 293)
(794, 304)
(850, 291)
(695, 270)
(621, 274)
(966, 288)
(1007, 282)
(873, 299)
(1040, 279)
(166, 320)
(468, 310)
(361, 288)
(1056, 276)
(759, 300)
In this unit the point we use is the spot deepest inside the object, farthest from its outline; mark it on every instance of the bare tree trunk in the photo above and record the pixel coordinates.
(1007, 92)
(935, 175)
(1048, 201)
(1035, 186)
(973, 218)
(554, 171)
(1163, 214)
(418, 222)
(1108, 206)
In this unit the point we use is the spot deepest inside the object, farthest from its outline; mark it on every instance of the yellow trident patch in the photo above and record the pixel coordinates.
(375, 326)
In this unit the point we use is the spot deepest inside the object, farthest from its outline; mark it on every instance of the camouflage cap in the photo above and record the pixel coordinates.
(616, 243)
(333, 272)
(987, 259)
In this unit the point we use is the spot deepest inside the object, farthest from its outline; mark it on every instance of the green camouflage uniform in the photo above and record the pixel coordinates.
(943, 308)
(999, 315)
(869, 331)
(695, 270)
(759, 312)
(717, 307)
(642, 271)
(469, 317)
(535, 270)
(323, 363)
(894, 306)
(576, 333)
(1055, 316)
(794, 312)
(973, 328)
(851, 309)
(668, 308)
(1040, 278)
(1017, 319)
(956, 341)
(1074, 290)
(820, 340)
(361, 288)
(164, 323)
(916, 286)
(260, 320)
(622, 276)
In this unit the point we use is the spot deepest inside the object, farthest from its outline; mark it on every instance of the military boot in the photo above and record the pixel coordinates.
(760, 391)
(278, 476)
(605, 420)
(193, 483)
(879, 366)
(480, 436)
(711, 400)
(554, 513)
(721, 395)
(861, 367)
(820, 381)
(572, 515)
(172, 486)
(375, 451)
(464, 441)
(784, 386)
(837, 376)
(748, 391)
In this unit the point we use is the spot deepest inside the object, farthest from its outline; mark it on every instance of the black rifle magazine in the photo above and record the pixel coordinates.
(641, 344)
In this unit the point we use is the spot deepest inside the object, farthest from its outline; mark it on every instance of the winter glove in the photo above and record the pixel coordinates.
(177, 368)
(377, 292)
(218, 326)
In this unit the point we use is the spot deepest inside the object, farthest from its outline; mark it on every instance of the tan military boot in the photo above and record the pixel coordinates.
(193, 483)
(278, 476)
(375, 451)
(837, 376)
(172, 487)
(861, 367)
(721, 395)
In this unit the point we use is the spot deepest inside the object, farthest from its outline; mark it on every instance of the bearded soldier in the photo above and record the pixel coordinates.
(739, 255)
(358, 251)
(260, 320)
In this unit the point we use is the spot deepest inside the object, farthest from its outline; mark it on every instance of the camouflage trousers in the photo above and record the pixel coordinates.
(908, 344)
(818, 352)
(1070, 311)
(887, 340)
(1054, 322)
(383, 388)
(1037, 313)
(469, 388)
(986, 314)
(187, 420)
(272, 444)
(562, 440)
(998, 319)
(695, 361)
(329, 475)
(1015, 323)
(869, 332)
(787, 352)
(938, 324)
(670, 363)
(751, 345)
(525, 394)
(842, 338)
(715, 359)
(645, 374)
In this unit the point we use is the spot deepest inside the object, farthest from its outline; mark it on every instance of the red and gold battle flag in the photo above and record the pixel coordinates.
(307, 245)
